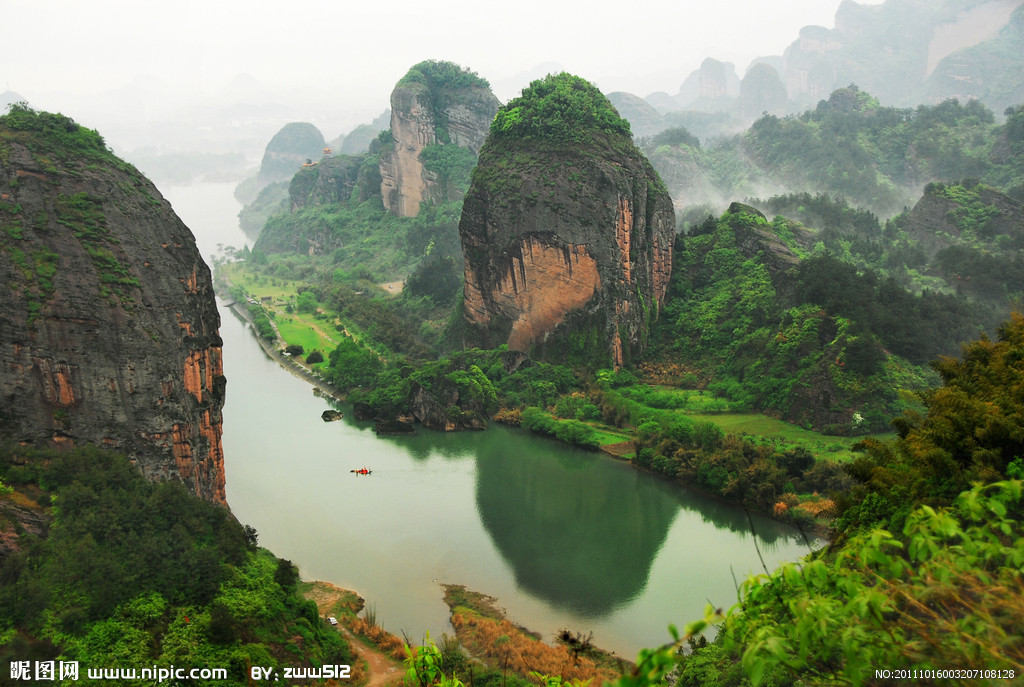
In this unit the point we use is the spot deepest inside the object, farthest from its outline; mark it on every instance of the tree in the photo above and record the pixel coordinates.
(306, 302)
(560, 108)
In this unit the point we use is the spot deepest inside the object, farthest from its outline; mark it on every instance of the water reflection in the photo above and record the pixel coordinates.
(528, 520)
(578, 529)
(575, 530)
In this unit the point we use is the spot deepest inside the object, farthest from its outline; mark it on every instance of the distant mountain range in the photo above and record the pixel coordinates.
(903, 52)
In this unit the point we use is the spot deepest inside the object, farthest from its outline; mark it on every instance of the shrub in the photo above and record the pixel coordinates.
(560, 108)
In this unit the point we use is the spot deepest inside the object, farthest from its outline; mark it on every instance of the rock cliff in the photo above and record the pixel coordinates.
(435, 103)
(951, 215)
(567, 230)
(291, 147)
(296, 144)
(108, 329)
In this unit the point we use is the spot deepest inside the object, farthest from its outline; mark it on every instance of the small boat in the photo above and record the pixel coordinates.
(362, 471)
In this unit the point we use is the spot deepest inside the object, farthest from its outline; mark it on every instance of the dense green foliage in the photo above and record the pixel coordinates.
(570, 431)
(53, 134)
(438, 74)
(675, 136)
(134, 573)
(365, 235)
(352, 365)
(99, 553)
(843, 229)
(917, 327)
(1008, 170)
(481, 379)
(758, 473)
(769, 335)
(848, 147)
(971, 433)
(926, 570)
(851, 146)
(959, 248)
(453, 165)
(560, 108)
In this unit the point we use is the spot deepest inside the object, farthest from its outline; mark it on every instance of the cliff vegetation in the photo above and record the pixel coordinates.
(110, 326)
(561, 109)
(124, 572)
(875, 157)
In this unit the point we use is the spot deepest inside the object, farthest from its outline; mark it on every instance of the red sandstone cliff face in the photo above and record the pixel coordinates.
(418, 120)
(567, 253)
(108, 325)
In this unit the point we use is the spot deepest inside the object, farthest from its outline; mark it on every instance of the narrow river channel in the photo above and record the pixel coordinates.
(563, 538)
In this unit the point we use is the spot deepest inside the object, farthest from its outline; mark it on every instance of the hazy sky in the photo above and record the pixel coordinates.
(89, 46)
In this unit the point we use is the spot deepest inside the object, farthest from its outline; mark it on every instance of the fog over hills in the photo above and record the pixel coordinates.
(222, 86)
(186, 76)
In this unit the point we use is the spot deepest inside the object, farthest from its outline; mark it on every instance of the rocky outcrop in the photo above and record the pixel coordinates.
(940, 218)
(329, 182)
(109, 329)
(294, 145)
(435, 103)
(444, 409)
(567, 243)
(755, 239)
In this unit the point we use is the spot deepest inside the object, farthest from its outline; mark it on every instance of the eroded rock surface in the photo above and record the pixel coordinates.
(108, 324)
(436, 103)
(568, 248)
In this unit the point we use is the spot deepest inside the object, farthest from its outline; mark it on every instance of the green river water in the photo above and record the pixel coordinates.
(564, 538)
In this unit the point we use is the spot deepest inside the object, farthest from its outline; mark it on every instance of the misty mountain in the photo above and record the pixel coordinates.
(849, 146)
(904, 53)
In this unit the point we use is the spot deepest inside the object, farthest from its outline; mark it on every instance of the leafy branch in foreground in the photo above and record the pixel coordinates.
(949, 595)
(655, 666)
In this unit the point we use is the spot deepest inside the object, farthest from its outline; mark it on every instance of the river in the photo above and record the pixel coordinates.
(564, 538)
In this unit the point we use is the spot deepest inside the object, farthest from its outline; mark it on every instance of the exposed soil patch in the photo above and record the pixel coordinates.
(373, 667)
(620, 450)
(491, 638)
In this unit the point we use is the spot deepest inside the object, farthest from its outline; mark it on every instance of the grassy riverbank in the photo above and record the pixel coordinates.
(678, 428)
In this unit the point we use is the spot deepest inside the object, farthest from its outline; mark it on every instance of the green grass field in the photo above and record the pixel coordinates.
(608, 436)
(757, 425)
(298, 328)
(705, 407)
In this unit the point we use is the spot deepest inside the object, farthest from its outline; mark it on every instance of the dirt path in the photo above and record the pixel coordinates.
(392, 287)
(381, 669)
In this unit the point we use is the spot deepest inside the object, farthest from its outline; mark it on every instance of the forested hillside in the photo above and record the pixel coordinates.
(823, 316)
(796, 324)
(925, 572)
(101, 567)
(850, 147)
